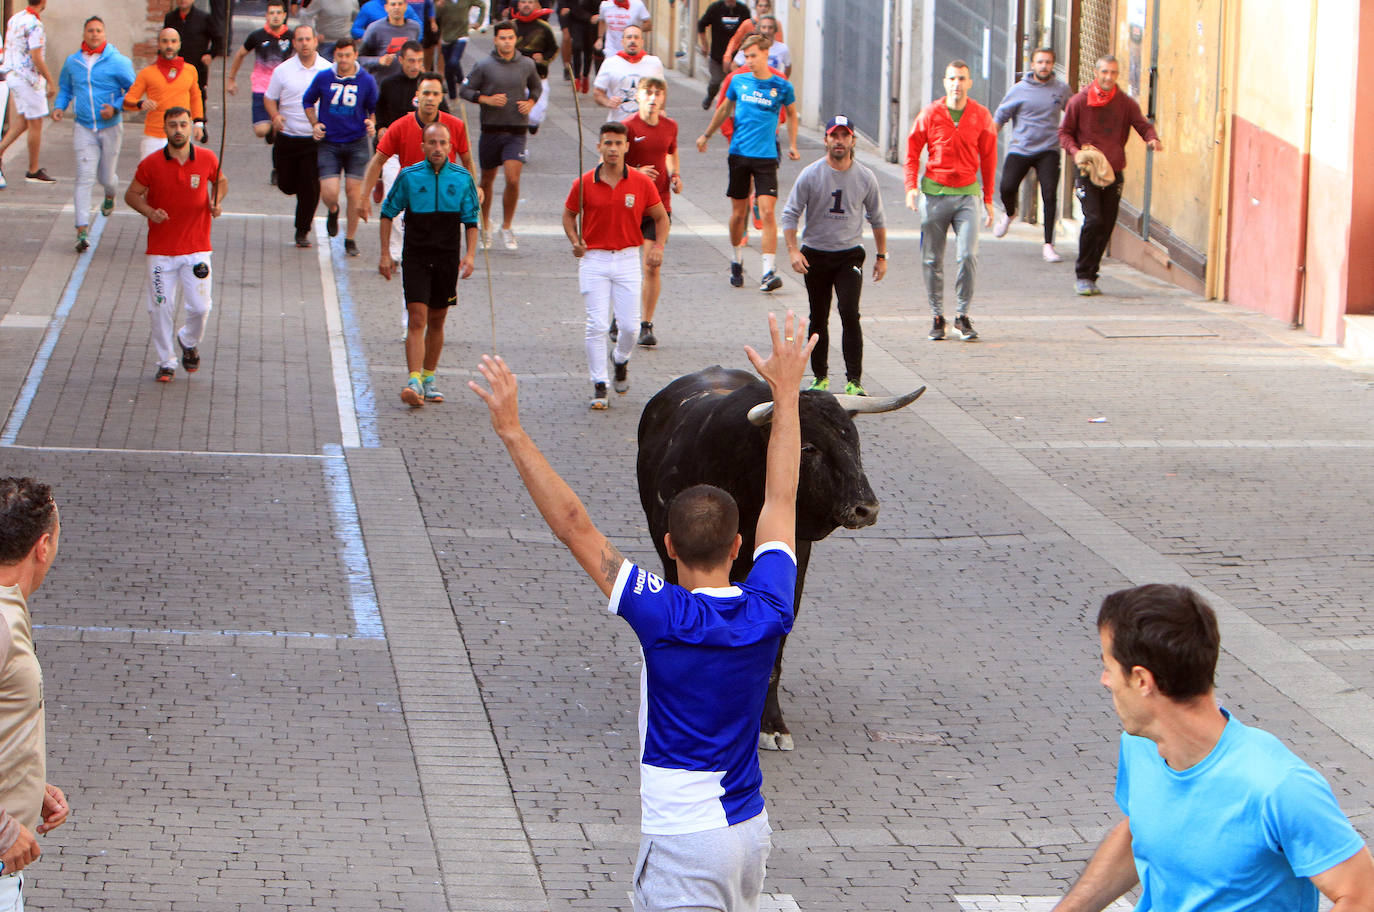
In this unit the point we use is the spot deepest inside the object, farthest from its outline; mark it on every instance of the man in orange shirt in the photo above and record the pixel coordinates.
(962, 140)
(169, 82)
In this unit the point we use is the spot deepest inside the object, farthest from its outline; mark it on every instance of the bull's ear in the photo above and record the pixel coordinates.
(762, 414)
(871, 405)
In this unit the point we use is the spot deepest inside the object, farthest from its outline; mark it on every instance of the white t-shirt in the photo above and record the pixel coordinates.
(23, 34)
(619, 79)
(289, 81)
(617, 18)
(779, 57)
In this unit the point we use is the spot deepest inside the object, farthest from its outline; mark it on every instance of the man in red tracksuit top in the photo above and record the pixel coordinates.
(1101, 116)
(962, 140)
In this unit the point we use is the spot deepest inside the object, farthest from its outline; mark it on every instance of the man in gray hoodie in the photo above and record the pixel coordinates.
(505, 86)
(1034, 106)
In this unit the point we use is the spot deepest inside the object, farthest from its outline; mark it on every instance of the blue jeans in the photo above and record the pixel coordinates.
(453, 64)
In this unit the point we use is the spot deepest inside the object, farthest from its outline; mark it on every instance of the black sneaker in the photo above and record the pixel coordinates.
(39, 177)
(937, 330)
(614, 331)
(706, 103)
(190, 358)
(965, 329)
(646, 334)
(622, 377)
(303, 239)
(165, 375)
(771, 281)
(273, 178)
(737, 275)
(350, 247)
(599, 401)
(331, 223)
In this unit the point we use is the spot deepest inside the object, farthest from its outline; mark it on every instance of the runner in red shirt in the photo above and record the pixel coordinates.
(612, 201)
(653, 150)
(172, 189)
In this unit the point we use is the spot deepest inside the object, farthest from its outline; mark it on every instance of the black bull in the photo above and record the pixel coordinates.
(699, 430)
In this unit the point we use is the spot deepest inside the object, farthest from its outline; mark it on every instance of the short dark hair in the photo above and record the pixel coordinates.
(502, 26)
(272, 3)
(613, 126)
(347, 41)
(412, 45)
(703, 521)
(959, 65)
(1167, 629)
(27, 513)
(1045, 50)
(175, 112)
(90, 20)
(429, 76)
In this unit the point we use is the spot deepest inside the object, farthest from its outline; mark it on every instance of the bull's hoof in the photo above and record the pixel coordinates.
(775, 741)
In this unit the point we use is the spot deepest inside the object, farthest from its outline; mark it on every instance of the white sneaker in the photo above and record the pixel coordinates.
(484, 238)
(1050, 255)
(3, 185)
(1003, 223)
(508, 238)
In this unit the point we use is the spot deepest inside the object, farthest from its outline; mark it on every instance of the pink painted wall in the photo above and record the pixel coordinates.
(1262, 241)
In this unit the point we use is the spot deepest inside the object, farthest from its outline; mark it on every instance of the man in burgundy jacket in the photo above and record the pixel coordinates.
(962, 141)
(1101, 116)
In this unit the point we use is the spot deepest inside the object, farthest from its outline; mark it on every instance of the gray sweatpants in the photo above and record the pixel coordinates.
(718, 870)
(96, 154)
(938, 213)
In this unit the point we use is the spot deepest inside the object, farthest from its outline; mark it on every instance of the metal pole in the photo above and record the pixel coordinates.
(1153, 107)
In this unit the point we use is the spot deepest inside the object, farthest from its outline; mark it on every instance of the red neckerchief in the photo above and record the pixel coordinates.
(635, 59)
(623, 4)
(276, 34)
(1096, 97)
(97, 51)
(34, 11)
(169, 68)
(537, 14)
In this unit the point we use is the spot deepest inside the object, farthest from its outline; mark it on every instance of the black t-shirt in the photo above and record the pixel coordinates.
(268, 49)
(723, 21)
(396, 98)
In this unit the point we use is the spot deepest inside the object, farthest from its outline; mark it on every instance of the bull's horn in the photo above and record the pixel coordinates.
(761, 414)
(871, 405)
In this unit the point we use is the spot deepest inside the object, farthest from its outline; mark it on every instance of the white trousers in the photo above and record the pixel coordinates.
(150, 144)
(12, 893)
(97, 153)
(541, 106)
(610, 278)
(170, 277)
(390, 170)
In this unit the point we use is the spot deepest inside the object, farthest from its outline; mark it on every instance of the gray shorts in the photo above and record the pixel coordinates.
(718, 870)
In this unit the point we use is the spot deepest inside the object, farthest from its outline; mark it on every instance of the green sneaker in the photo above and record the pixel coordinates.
(853, 389)
(107, 206)
(820, 383)
(431, 388)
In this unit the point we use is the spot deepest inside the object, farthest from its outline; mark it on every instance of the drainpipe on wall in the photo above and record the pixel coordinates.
(1299, 309)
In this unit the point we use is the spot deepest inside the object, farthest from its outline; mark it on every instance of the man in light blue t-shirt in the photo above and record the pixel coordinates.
(755, 100)
(1219, 816)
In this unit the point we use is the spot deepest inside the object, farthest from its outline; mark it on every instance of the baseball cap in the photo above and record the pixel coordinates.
(838, 122)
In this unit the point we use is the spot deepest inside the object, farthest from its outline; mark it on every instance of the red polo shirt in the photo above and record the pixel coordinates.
(611, 215)
(652, 146)
(405, 139)
(183, 192)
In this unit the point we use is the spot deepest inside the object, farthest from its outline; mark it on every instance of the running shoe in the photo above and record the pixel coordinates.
(1086, 287)
(937, 329)
(622, 377)
(190, 358)
(737, 275)
(484, 238)
(820, 384)
(331, 223)
(1051, 255)
(39, 177)
(646, 335)
(508, 239)
(852, 388)
(350, 247)
(165, 375)
(82, 244)
(413, 394)
(107, 206)
(3, 185)
(272, 179)
(706, 103)
(303, 239)
(965, 329)
(431, 388)
(771, 281)
(599, 400)
(1003, 223)
(567, 74)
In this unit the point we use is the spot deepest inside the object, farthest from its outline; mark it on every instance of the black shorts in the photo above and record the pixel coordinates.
(494, 148)
(646, 227)
(762, 172)
(430, 278)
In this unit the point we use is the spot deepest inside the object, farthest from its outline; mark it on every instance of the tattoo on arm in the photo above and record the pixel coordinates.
(611, 560)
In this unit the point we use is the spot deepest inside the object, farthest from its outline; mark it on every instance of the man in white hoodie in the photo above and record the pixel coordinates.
(1034, 106)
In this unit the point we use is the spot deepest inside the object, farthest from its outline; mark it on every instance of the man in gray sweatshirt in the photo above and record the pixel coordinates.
(505, 86)
(1034, 106)
(380, 50)
(835, 194)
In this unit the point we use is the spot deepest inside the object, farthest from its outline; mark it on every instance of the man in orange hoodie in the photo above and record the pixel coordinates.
(962, 140)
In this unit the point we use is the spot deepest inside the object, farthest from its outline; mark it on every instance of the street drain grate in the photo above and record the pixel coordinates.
(1145, 330)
